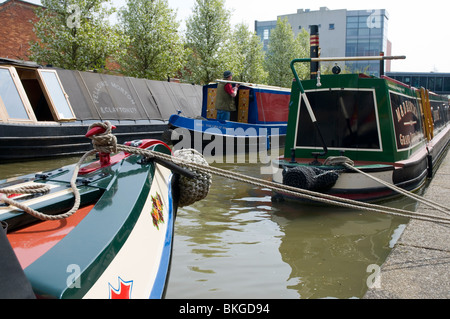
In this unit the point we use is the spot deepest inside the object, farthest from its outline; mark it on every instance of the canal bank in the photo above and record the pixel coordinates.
(419, 265)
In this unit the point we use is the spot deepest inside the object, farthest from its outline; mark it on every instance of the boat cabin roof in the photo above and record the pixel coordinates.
(30, 92)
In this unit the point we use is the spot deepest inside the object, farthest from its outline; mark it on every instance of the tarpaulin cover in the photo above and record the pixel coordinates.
(96, 96)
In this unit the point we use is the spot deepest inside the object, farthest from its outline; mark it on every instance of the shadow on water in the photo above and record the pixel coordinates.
(236, 243)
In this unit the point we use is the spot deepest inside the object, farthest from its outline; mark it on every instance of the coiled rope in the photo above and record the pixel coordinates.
(292, 191)
(34, 189)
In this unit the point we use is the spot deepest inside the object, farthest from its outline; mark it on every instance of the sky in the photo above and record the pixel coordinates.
(419, 30)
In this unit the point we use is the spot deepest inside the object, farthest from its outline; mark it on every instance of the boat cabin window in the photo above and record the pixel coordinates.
(55, 94)
(13, 102)
(347, 119)
(33, 95)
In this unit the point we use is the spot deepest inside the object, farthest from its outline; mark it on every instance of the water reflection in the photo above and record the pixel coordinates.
(238, 244)
(329, 249)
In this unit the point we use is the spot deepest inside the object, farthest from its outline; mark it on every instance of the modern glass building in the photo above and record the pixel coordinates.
(263, 30)
(366, 35)
(436, 82)
(342, 33)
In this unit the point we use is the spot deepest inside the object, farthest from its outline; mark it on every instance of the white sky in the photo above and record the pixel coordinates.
(417, 29)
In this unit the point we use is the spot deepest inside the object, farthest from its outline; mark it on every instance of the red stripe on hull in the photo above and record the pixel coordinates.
(32, 242)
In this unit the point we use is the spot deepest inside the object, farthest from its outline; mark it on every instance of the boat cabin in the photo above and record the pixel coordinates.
(364, 118)
(46, 112)
(255, 104)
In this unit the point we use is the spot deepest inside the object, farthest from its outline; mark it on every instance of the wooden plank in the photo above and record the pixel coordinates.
(211, 112)
(244, 100)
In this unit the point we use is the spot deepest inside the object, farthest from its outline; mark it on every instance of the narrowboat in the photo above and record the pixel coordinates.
(45, 111)
(117, 244)
(353, 135)
(259, 122)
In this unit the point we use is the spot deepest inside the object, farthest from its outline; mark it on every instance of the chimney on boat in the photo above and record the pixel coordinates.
(314, 50)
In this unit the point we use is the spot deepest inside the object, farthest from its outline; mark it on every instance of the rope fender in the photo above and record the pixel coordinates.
(310, 177)
(192, 189)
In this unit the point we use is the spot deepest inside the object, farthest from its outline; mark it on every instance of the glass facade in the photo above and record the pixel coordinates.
(435, 82)
(263, 30)
(366, 36)
(361, 33)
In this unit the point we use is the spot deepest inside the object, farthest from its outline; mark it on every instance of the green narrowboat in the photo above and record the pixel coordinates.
(344, 125)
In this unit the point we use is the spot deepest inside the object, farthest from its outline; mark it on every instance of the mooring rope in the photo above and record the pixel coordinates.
(310, 195)
(109, 141)
(416, 197)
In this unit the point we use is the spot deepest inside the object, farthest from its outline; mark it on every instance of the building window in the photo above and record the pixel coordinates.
(266, 34)
(331, 26)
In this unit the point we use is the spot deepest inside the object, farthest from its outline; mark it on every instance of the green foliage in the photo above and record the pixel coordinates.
(250, 55)
(283, 48)
(155, 49)
(74, 34)
(208, 43)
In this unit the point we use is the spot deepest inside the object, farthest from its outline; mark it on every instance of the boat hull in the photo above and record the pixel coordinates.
(118, 246)
(355, 186)
(40, 141)
(410, 174)
(384, 128)
(211, 137)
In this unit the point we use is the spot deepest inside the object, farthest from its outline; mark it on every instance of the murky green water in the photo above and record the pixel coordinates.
(238, 244)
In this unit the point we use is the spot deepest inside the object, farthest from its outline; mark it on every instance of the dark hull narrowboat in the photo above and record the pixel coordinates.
(117, 244)
(45, 112)
(344, 125)
(260, 122)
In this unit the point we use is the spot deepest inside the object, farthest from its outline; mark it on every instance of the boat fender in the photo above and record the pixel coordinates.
(430, 166)
(310, 178)
(192, 189)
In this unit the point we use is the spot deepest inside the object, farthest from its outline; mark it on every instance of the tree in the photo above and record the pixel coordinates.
(74, 34)
(302, 41)
(250, 55)
(207, 42)
(155, 49)
(283, 48)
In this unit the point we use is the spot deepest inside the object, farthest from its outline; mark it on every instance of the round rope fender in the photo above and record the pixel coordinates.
(192, 189)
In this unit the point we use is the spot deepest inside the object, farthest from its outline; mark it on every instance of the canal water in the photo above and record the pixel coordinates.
(236, 243)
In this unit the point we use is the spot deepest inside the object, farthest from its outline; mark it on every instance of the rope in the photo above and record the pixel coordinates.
(420, 199)
(34, 189)
(319, 197)
(109, 139)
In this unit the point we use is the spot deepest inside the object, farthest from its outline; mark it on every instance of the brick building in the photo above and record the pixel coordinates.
(16, 28)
